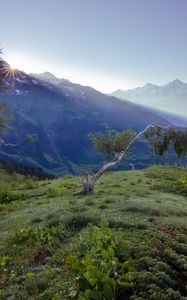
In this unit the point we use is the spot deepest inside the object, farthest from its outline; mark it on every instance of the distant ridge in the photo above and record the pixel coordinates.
(47, 76)
(173, 117)
(170, 97)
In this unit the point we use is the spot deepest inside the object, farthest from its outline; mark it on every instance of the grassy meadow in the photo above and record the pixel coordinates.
(127, 240)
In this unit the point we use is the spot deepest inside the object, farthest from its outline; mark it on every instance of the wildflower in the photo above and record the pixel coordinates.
(115, 275)
(114, 264)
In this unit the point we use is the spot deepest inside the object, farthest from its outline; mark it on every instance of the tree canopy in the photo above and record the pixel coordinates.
(161, 138)
(111, 142)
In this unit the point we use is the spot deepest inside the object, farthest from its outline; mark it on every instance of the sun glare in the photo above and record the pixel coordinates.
(30, 64)
(15, 62)
(23, 62)
(12, 68)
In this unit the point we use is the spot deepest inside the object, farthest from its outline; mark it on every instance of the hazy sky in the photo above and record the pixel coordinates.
(107, 44)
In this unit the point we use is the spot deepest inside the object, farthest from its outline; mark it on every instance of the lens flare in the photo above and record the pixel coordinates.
(10, 71)
(10, 75)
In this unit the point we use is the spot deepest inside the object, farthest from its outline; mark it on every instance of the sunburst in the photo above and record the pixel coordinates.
(11, 73)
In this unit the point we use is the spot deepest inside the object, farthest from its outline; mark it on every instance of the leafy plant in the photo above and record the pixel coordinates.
(103, 263)
(44, 234)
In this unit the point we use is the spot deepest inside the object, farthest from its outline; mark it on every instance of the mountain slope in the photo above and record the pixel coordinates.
(171, 97)
(43, 231)
(61, 116)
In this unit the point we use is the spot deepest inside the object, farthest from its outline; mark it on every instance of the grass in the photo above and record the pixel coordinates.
(40, 229)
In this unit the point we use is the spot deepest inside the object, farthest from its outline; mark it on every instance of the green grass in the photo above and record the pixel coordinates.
(39, 230)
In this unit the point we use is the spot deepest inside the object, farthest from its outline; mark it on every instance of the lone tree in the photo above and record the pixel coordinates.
(114, 145)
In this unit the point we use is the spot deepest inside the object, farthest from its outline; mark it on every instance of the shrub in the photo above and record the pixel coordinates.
(6, 195)
(29, 183)
(103, 264)
(55, 191)
(44, 234)
(52, 192)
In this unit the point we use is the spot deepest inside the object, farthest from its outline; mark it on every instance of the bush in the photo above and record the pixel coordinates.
(54, 191)
(6, 195)
(29, 184)
(44, 234)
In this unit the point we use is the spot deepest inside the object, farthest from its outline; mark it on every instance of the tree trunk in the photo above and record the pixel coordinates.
(88, 185)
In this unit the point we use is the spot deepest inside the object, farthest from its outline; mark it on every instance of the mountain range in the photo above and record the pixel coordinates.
(171, 97)
(59, 115)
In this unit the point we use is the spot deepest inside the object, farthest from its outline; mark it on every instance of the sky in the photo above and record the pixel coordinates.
(106, 44)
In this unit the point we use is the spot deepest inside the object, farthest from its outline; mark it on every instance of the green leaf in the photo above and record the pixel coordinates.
(108, 281)
(83, 296)
(124, 284)
(122, 251)
(4, 260)
(73, 262)
(95, 295)
(92, 281)
(30, 275)
(107, 290)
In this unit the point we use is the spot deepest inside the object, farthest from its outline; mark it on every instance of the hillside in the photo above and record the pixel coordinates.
(60, 117)
(48, 250)
(170, 97)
